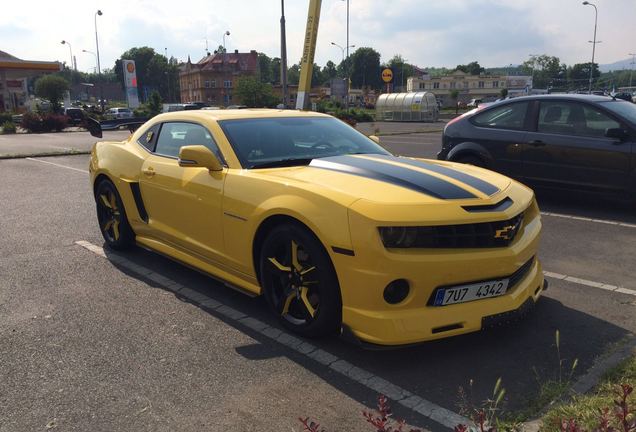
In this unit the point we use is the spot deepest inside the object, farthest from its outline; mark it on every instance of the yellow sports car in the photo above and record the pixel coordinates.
(337, 234)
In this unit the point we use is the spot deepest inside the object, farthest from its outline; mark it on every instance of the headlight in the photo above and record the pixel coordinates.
(398, 237)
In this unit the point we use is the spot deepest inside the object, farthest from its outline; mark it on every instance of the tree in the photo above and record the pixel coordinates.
(293, 74)
(265, 68)
(275, 70)
(329, 71)
(155, 104)
(545, 69)
(365, 68)
(52, 88)
(472, 68)
(580, 73)
(503, 93)
(254, 93)
(454, 94)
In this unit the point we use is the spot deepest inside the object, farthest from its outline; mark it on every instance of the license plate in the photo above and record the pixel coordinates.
(470, 292)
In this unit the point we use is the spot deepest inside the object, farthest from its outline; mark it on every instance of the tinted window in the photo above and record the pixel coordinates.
(263, 140)
(149, 138)
(175, 135)
(508, 116)
(571, 118)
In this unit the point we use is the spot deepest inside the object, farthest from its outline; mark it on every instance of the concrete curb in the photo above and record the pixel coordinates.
(44, 154)
(411, 132)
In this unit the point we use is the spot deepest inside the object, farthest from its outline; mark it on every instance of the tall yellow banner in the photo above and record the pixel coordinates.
(309, 49)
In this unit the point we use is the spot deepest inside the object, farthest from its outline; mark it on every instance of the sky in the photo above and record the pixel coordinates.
(428, 33)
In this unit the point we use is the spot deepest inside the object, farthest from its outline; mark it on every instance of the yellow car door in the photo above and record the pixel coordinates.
(184, 204)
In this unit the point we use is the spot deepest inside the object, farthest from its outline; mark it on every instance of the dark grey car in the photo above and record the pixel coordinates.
(579, 141)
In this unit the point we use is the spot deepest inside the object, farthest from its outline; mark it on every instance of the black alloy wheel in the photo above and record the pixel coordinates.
(112, 219)
(299, 282)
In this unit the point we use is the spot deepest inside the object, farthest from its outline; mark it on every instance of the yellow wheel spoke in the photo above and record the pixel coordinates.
(304, 272)
(108, 224)
(278, 265)
(116, 229)
(104, 199)
(294, 253)
(288, 300)
(308, 306)
(113, 202)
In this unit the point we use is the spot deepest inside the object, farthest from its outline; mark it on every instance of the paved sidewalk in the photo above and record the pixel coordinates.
(52, 143)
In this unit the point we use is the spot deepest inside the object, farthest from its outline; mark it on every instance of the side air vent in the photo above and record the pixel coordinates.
(139, 202)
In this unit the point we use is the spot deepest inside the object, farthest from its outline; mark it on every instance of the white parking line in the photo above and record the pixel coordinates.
(579, 218)
(57, 165)
(373, 382)
(589, 283)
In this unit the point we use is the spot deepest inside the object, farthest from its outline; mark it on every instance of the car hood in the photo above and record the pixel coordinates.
(387, 179)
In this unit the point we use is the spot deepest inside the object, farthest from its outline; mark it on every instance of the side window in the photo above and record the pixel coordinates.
(175, 135)
(571, 118)
(149, 138)
(508, 116)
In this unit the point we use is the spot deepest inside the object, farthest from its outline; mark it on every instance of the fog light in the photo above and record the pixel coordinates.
(396, 291)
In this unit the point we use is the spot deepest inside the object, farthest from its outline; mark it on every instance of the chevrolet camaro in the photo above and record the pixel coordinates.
(335, 232)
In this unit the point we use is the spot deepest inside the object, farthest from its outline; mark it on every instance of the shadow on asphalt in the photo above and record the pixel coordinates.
(522, 353)
(586, 205)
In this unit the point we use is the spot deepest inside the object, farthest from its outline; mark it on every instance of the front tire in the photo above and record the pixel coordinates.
(112, 219)
(299, 282)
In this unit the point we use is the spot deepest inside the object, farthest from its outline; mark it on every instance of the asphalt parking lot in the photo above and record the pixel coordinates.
(93, 340)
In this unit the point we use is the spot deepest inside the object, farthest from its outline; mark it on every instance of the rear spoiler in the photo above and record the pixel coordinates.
(95, 127)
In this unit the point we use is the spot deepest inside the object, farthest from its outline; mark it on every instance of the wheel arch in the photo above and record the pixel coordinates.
(470, 149)
(271, 222)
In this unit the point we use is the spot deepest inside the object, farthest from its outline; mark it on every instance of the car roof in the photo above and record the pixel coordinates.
(235, 114)
(563, 96)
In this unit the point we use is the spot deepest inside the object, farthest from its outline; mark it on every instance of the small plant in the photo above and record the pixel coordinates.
(380, 420)
(486, 415)
(8, 127)
(35, 123)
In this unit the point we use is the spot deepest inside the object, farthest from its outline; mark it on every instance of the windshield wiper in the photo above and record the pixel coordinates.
(283, 163)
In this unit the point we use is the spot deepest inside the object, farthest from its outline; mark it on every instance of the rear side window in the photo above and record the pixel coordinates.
(149, 138)
(508, 116)
(571, 118)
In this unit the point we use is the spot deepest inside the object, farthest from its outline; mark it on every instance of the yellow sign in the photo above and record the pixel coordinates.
(387, 75)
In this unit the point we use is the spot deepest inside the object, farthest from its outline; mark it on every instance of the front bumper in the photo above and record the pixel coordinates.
(364, 276)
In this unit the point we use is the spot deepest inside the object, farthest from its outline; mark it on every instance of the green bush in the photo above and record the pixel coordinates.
(47, 123)
(6, 117)
(8, 127)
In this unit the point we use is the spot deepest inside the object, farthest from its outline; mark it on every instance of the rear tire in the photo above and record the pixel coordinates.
(299, 281)
(111, 215)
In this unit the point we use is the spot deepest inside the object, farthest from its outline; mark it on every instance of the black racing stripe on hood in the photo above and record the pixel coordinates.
(399, 176)
(477, 183)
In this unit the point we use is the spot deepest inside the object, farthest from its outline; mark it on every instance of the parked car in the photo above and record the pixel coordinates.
(334, 231)
(76, 115)
(577, 141)
(119, 113)
(624, 95)
(474, 103)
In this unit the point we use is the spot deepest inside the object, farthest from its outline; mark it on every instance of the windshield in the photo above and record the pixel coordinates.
(261, 142)
(625, 109)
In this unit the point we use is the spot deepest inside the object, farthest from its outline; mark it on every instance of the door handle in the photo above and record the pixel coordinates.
(149, 172)
(537, 143)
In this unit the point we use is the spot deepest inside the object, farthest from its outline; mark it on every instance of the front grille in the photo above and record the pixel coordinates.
(513, 280)
(475, 235)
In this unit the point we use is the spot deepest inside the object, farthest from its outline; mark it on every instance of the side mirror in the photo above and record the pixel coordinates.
(617, 133)
(374, 138)
(200, 157)
(93, 127)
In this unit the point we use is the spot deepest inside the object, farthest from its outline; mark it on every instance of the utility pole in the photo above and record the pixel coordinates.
(587, 3)
(632, 70)
(283, 54)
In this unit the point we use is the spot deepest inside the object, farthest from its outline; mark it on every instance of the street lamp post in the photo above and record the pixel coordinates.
(70, 51)
(632, 70)
(587, 3)
(283, 54)
(99, 70)
(342, 49)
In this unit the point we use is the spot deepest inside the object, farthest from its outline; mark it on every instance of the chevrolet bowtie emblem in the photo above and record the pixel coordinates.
(506, 232)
